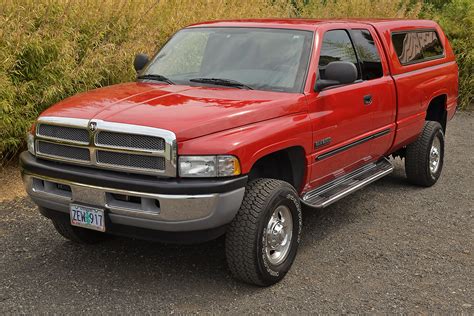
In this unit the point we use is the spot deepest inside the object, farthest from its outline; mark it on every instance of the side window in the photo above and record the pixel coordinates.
(368, 54)
(416, 46)
(430, 44)
(407, 47)
(337, 46)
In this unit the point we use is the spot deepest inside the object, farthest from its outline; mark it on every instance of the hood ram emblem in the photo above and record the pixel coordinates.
(92, 126)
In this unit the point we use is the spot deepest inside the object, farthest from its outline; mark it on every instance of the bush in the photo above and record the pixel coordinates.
(360, 9)
(456, 17)
(50, 50)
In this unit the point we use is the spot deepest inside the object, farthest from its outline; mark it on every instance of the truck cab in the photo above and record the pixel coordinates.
(234, 126)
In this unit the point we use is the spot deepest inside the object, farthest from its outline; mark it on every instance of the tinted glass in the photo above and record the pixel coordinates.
(368, 54)
(412, 47)
(430, 44)
(336, 46)
(264, 59)
(407, 47)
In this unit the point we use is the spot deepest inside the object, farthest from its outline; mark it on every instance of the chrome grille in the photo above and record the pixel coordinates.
(107, 145)
(73, 134)
(121, 140)
(130, 160)
(63, 151)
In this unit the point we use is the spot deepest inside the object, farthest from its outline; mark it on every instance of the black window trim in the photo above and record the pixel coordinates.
(443, 55)
(359, 61)
(357, 52)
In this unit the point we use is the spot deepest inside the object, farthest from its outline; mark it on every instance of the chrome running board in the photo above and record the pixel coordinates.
(345, 185)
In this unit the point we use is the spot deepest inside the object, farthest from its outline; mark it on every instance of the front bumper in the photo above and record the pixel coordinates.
(175, 205)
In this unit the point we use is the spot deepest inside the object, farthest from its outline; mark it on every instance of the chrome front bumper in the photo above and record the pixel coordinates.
(164, 212)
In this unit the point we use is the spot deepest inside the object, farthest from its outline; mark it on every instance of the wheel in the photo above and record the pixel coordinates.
(77, 234)
(424, 157)
(263, 238)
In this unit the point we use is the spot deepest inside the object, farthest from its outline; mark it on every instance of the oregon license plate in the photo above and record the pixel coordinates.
(87, 217)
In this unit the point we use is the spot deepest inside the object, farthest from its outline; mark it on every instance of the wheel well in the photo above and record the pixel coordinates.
(288, 165)
(437, 111)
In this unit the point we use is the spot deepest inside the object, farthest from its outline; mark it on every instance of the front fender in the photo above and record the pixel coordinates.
(252, 142)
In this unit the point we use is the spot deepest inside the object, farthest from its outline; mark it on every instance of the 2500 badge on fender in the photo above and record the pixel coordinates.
(233, 126)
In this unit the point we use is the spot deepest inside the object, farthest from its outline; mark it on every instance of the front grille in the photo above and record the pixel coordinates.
(121, 140)
(63, 151)
(109, 145)
(73, 134)
(130, 160)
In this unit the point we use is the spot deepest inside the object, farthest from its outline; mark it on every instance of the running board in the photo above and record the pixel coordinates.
(345, 185)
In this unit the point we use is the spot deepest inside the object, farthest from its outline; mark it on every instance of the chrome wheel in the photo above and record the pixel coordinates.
(435, 155)
(278, 235)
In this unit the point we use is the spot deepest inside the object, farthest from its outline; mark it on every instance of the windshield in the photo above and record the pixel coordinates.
(262, 59)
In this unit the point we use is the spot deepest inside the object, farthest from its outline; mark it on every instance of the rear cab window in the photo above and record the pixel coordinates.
(417, 46)
(369, 56)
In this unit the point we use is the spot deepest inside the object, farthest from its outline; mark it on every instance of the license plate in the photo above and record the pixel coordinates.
(87, 217)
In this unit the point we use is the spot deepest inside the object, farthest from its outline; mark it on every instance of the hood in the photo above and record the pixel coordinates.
(187, 111)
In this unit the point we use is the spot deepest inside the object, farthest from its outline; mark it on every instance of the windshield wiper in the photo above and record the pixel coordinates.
(156, 78)
(222, 82)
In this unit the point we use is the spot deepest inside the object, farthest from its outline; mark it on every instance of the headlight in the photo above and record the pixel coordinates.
(30, 139)
(208, 166)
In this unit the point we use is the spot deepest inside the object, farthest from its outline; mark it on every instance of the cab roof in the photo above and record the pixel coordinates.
(311, 24)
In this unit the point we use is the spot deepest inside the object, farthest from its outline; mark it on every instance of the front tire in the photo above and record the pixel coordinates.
(263, 238)
(424, 158)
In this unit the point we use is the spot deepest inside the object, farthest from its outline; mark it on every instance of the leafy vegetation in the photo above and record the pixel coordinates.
(50, 50)
(456, 17)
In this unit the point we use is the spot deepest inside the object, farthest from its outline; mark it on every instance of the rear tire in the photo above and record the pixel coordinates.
(424, 158)
(263, 238)
(77, 234)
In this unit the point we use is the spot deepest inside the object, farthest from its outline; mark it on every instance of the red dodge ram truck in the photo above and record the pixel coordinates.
(233, 126)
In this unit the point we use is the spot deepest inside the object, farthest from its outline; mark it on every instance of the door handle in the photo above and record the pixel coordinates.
(368, 99)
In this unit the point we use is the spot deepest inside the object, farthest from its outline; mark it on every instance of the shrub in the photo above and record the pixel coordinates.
(456, 17)
(360, 9)
(50, 50)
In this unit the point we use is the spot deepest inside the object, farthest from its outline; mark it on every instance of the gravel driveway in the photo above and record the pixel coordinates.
(391, 247)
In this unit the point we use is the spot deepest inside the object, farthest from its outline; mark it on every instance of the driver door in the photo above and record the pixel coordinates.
(340, 115)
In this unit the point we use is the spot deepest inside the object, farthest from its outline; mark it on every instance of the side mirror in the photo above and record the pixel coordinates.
(140, 61)
(337, 73)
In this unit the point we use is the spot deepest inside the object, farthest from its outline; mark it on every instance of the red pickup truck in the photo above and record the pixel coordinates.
(234, 125)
